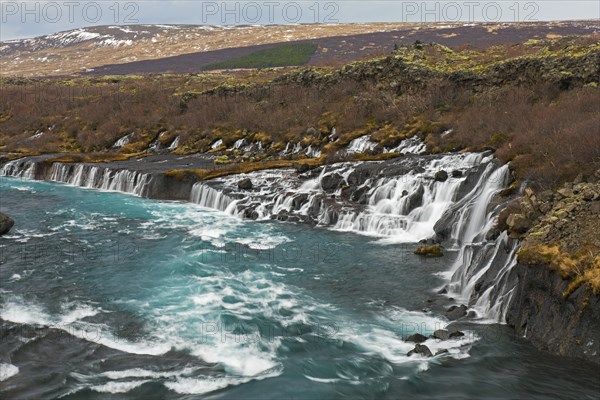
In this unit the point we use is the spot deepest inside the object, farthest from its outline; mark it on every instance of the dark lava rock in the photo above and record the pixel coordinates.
(457, 173)
(245, 184)
(282, 216)
(330, 183)
(299, 200)
(420, 349)
(443, 290)
(416, 338)
(301, 167)
(6, 224)
(456, 312)
(456, 334)
(415, 199)
(360, 195)
(441, 176)
(441, 334)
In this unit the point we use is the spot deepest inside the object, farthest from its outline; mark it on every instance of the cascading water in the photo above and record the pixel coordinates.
(361, 144)
(22, 168)
(406, 208)
(401, 200)
(83, 175)
(208, 197)
(412, 145)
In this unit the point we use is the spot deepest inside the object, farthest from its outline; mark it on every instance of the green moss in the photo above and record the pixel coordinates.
(429, 251)
(280, 56)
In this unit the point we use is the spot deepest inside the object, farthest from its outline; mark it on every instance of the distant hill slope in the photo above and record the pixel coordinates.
(74, 51)
(188, 48)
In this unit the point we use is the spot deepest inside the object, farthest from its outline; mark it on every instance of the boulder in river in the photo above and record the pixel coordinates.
(422, 350)
(456, 334)
(6, 224)
(441, 176)
(456, 312)
(441, 334)
(416, 338)
(245, 184)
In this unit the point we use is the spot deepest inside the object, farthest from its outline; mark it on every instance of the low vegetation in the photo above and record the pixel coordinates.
(281, 56)
(243, 168)
(582, 267)
(534, 103)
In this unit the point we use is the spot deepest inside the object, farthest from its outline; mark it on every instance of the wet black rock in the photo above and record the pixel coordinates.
(416, 338)
(245, 184)
(360, 195)
(421, 349)
(565, 326)
(415, 199)
(457, 173)
(299, 200)
(441, 176)
(441, 334)
(301, 167)
(456, 334)
(330, 183)
(456, 312)
(6, 224)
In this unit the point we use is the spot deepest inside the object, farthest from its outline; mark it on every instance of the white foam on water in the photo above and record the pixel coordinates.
(322, 380)
(211, 384)
(7, 371)
(118, 387)
(17, 310)
(386, 337)
(144, 373)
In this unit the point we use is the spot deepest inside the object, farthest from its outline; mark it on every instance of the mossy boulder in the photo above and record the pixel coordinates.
(6, 224)
(441, 176)
(429, 251)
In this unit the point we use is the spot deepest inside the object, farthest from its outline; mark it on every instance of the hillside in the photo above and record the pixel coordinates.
(451, 99)
(109, 50)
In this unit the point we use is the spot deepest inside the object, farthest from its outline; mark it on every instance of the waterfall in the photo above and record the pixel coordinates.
(83, 175)
(361, 144)
(175, 144)
(123, 141)
(91, 176)
(413, 145)
(409, 199)
(208, 197)
(406, 208)
(239, 143)
(217, 144)
(22, 168)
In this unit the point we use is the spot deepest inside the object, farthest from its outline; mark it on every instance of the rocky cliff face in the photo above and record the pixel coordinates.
(556, 303)
(539, 312)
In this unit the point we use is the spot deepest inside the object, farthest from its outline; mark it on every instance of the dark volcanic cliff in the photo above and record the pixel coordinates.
(556, 303)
